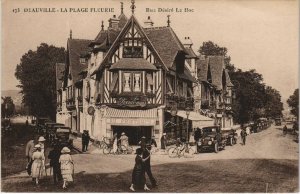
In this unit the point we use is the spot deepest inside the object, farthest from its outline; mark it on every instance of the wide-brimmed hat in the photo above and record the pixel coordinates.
(138, 151)
(122, 133)
(143, 137)
(42, 138)
(65, 150)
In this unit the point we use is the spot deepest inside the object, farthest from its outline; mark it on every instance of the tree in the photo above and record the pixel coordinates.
(36, 73)
(273, 104)
(293, 103)
(7, 107)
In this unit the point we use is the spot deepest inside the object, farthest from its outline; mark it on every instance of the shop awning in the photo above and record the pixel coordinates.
(193, 116)
(121, 113)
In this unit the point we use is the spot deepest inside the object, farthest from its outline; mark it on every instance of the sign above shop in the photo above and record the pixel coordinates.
(132, 101)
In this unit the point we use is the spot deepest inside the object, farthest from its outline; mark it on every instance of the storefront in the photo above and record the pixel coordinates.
(134, 123)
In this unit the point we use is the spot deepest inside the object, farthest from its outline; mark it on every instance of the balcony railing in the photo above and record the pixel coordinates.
(80, 101)
(70, 103)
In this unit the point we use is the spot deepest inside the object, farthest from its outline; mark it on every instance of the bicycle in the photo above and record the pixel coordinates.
(184, 150)
(101, 144)
(121, 149)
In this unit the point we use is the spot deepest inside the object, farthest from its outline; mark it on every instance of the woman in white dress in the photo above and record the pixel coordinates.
(37, 167)
(66, 166)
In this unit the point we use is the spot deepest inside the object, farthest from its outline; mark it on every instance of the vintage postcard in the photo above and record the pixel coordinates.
(150, 96)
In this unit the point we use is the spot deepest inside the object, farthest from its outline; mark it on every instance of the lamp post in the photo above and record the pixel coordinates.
(187, 124)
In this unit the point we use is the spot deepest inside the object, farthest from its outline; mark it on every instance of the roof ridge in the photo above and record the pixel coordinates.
(156, 28)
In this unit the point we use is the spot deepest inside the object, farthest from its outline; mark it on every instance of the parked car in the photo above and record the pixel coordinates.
(63, 136)
(212, 139)
(231, 135)
(49, 126)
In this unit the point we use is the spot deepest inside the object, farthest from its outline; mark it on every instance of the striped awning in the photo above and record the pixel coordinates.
(122, 113)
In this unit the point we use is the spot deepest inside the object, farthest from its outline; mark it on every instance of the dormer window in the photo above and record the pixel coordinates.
(82, 60)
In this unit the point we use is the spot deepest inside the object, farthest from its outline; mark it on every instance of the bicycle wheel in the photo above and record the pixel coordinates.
(106, 149)
(173, 152)
(123, 150)
(188, 153)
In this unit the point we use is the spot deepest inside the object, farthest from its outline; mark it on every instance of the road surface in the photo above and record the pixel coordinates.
(268, 162)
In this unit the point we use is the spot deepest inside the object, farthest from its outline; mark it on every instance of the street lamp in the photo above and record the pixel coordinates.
(187, 125)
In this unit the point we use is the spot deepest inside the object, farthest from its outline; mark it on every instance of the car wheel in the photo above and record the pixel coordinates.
(216, 147)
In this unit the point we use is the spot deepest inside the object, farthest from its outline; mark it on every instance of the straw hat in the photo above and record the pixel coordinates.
(65, 150)
(122, 133)
(164, 134)
(42, 138)
(143, 137)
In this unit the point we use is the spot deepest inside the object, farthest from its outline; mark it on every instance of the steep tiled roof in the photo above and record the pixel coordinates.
(228, 80)
(123, 20)
(76, 48)
(165, 42)
(216, 64)
(191, 53)
(59, 73)
(186, 75)
(133, 63)
(106, 37)
(202, 68)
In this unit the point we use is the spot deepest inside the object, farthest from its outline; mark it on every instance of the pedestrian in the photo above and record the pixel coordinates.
(153, 144)
(197, 138)
(37, 167)
(66, 166)
(124, 140)
(163, 141)
(115, 143)
(146, 154)
(138, 173)
(85, 140)
(41, 141)
(284, 130)
(243, 136)
(28, 152)
(54, 156)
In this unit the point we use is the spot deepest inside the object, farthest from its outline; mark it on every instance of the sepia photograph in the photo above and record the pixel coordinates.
(150, 96)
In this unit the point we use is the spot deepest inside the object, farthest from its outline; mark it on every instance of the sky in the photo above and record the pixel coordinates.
(261, 35)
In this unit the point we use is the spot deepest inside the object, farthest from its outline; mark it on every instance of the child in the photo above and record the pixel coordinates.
(138, 173)
(66, 166)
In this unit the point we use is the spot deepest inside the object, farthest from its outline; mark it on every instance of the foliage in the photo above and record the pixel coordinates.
(7, 107)
(36, 73)
(293, 103)
(253, 99)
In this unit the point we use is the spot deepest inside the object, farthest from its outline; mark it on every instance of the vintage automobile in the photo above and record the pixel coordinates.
(212, 139)
(49, 126)
(231, 136)
(63, 136)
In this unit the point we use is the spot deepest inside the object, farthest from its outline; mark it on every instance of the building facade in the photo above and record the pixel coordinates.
(141, 80)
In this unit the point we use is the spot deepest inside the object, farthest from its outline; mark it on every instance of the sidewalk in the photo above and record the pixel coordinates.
(77, 144)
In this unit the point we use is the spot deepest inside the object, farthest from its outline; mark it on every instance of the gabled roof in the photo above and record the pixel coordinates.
(165, 42)
(76, 47)
(105, 38)
(122, 33)
(216, 64)
(133, 64)
(191, 53)
(228, 80)
(59, 73)
(202, 68)
(123, 20)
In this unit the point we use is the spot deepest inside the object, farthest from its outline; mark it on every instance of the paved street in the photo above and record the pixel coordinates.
(268, 162)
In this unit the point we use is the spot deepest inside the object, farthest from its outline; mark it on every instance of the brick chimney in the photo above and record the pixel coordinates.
(113, 22)
(187, 42)
(148, 23)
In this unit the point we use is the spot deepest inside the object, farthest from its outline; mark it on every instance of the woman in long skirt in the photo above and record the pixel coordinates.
(37, 167)
(138, 173)
(66, 166)
(115, 143)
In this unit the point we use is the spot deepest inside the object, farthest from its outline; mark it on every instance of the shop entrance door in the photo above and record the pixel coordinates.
(134, 133)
